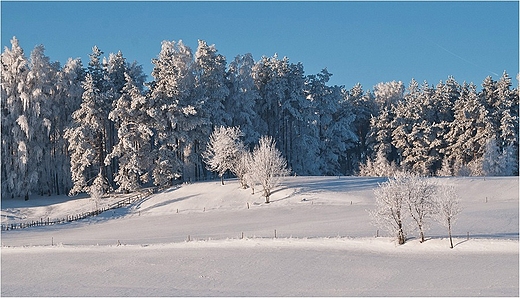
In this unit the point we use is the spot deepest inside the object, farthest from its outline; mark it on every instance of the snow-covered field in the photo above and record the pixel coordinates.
(325, 244)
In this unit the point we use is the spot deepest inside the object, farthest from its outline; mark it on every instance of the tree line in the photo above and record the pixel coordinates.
(69, 129)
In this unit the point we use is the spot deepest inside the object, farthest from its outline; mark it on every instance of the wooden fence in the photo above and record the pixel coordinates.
(79, 216)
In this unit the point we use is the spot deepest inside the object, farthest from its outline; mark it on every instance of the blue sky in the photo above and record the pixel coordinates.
(365, 42)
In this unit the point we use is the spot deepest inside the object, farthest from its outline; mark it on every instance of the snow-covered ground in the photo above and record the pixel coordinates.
(325, 244)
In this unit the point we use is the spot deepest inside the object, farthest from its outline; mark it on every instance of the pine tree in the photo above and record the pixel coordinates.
(363, 106)
(14, 102)
(85, 138)
(41, 84)
(68, 99)
(242, 98)
(134, 137)
(209, 93)
(173, 111)
(469, 132)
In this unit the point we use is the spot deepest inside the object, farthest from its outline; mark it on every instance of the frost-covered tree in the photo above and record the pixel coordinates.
(41, 82)
(14, 102)
(379, 167)
(468, 133)
(242, 98)
(242, 169)
(388, 93)
(210, 84)
(85, 139)
(285, 110)
(379, 138)
(68, 99)
(496, 161)
(134, 131)
(91, 134)
(415, 132)
(333, 122)
(173, 111)
(223, 150)
(420, 199)
(208, 95)
(268, 165)
(390, 211)
(363, 107)
(448, 204)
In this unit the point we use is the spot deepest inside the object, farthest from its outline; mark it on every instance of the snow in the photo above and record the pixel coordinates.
(324, 245)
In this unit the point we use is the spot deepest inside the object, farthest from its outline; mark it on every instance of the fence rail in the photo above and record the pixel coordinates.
(79, 216)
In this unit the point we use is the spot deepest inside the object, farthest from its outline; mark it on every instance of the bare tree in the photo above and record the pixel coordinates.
(241, 168)
(223, 150)
(390, 203)
(268, 165)
(449, 208)
(419, 192)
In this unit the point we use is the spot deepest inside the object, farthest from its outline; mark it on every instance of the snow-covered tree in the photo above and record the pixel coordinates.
(223, 150)
(41, 84)
(379, 167)
(468, 133)
(390, 211)
(363, 107)
(85, 138)
(208, 95)
(448, 204)
(134, 137)
(14, 101)
(388, 93)
(68, 99)
(333, 122)
(242, 169)
(379, 138)
(173, 111)
(268, 165)
(420, 199)
(242, 98)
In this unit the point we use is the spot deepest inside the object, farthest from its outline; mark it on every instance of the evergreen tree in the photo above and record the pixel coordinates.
(14, 103)
(469, 132)
(210, 91)
(363, 107)
(134, 138)
(85, 138)
(242, 98)
(173, 111)
(41, 84)
(67, 100)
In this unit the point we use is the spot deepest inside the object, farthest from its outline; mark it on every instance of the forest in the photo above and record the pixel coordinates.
(67, 128)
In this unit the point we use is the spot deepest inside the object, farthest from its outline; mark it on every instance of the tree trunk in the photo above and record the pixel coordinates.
(421, 232)
(400, 235)
(449, 233)
(222, 179)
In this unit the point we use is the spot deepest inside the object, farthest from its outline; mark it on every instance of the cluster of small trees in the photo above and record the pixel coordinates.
(72, 128)
(409, 199)
(265, 165)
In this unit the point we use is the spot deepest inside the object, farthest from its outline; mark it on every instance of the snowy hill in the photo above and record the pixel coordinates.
(324, 244)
